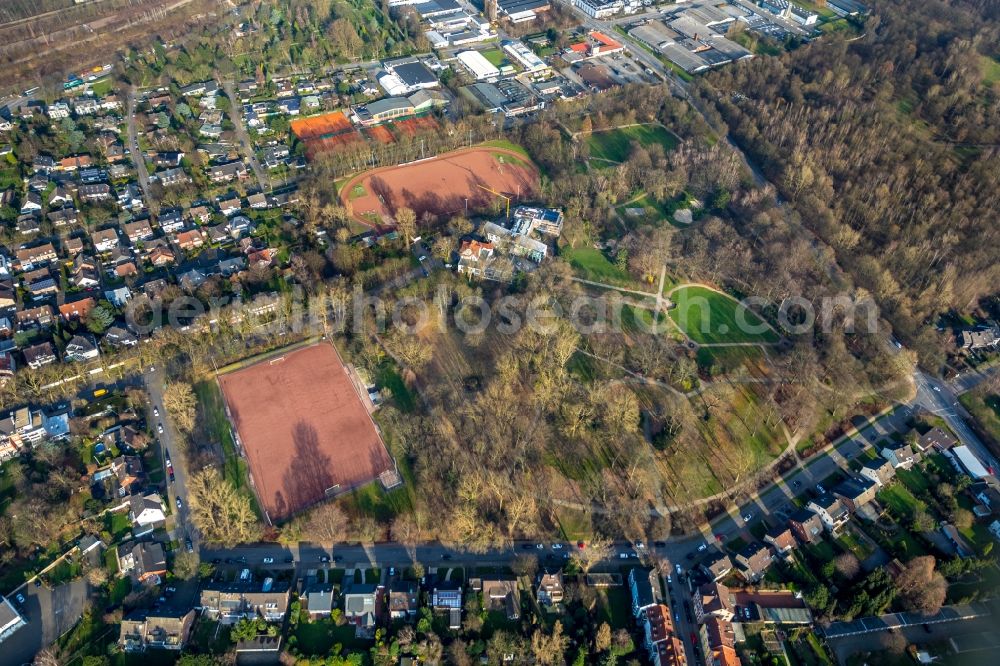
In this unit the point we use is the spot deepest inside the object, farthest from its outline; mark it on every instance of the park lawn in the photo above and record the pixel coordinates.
(709, 316)
(102, 87)
(724, 360)
(590, 264)
(614, 145)
(991, 70)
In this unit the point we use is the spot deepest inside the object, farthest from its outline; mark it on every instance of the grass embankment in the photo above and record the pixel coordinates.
(217, 427)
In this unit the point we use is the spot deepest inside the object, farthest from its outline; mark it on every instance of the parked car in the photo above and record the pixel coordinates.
(188, 545)
(20, 598)
(156, 412)
(268, 560)
(159, 428)
(178, 502)
(702, 548)
(679, 570)
(324, 558)
(557, 546)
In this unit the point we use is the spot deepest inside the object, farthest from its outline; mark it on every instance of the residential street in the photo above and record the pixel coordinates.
(138, 159)
(236, 116)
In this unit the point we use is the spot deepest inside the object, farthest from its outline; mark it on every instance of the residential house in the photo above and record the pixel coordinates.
(122, 478)
(73, 246)
(319, 600)
(146, 513)
(161, 256)
(168, 159)
(130, 196)
(119, 296)
(473, 256)
(174, 176)
(84, 273)
(446, 595)
(229, 205)
(40, 283)
(77, 310)
(640, 583)
(806, 525)
(116, 336)
(162, 629)
(38, 355)
(104, 240)
(190, 240)
(228, 171)
(74, 163)
(171, 220)
(8, 296)
(831, 512)
(717, 564)
(32, 203)
(60, 196)
(80, 349)
(138, 231)
(231, 602)
(402, 599)
(145, 562)
(878, 470)
(899, 454)
(663, 646)
(936, 438)
(63, 217)
(257, 200)
(7, 367)
(30, 258)
(753, 560)
(550, 588)
(31, 318)
(713, 600)
(500, 594)
(981, 338)
(855, 492)
(239, 225)
(781, 539)
(718, 642)
(359, 606)
(231, 266)
(95, 192)
(200, 214)
(28, 225)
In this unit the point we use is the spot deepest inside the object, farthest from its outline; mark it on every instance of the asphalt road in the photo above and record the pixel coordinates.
(138, 159)
(236, 115)
(168, 444)
(50, 613)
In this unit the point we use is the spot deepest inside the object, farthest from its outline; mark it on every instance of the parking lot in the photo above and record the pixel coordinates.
(50, 613)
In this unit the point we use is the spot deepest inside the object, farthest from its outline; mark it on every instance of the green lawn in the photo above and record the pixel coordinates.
(615, 145)
(900, 500)
(991, 70)
(496, 57)
(708, 316)
(389, 378)
(722, 360)
(591, 264)
(615, 606)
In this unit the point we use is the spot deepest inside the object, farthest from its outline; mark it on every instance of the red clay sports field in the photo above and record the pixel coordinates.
(303, 428)
(441, 184)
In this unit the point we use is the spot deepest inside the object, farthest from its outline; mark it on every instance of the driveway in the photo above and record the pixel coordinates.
(50, 613)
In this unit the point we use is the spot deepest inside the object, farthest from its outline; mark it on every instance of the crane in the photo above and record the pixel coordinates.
(502, 196)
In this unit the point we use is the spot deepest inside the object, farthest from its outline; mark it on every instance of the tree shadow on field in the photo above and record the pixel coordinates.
(383, 192)
(309, 473)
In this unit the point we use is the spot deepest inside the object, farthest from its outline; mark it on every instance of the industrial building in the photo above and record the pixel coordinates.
(477, 65)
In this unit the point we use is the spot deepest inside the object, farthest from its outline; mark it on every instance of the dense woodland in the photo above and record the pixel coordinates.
(887, 147)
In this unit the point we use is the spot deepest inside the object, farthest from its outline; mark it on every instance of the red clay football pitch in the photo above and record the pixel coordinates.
(304, 430)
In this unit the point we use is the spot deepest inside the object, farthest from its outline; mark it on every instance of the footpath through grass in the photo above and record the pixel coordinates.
(708, 316)
(615, 145)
